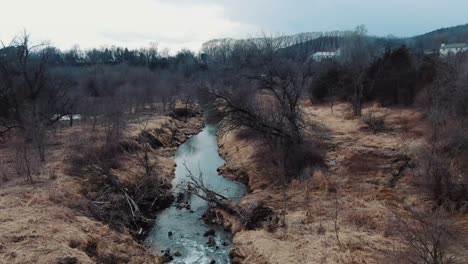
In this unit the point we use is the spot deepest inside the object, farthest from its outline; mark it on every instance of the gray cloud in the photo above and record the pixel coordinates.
(397, 17)
(188, 23)
(123, 37)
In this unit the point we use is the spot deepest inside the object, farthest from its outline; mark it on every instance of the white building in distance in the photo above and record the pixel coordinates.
(325, 54)
(446, 49)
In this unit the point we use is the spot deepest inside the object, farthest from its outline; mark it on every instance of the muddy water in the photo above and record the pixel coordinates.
(182, 230)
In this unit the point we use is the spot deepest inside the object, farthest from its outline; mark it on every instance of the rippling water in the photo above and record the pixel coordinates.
(200, 153)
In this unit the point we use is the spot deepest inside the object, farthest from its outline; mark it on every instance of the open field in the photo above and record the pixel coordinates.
(352, 204)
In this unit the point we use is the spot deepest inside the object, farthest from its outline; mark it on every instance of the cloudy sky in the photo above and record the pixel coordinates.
(176, 24)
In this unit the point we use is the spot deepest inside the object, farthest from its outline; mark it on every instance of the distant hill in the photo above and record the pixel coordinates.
(310, 42)
(433, 39)
(305, 36)
(314, 45)
(317, 40)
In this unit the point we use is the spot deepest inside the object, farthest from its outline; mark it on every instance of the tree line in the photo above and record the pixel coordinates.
(257, 83)
(41, 86)
(257, 86)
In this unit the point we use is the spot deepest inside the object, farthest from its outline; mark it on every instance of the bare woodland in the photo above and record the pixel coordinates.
(258, 88)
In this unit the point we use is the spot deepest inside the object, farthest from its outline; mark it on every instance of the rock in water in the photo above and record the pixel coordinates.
(210, 232)
(211, 241)
(167, 256)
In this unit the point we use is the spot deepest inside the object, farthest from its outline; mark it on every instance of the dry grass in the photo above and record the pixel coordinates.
(364, 174)
(50, 221)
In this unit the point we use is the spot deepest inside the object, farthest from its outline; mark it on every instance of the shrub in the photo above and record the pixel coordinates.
(362, 219)
(302, 156)
(426, 238)
(375, 123)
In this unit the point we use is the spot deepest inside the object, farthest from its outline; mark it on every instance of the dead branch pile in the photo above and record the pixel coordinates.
(251, 217)
(122, 205)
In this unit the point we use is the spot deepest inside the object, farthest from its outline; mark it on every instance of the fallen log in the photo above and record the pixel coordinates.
(250, 217)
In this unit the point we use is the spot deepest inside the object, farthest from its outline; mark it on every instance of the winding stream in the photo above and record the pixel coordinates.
(182, 230)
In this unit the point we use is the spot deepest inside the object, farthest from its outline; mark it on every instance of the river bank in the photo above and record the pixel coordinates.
(54, 219)
(180, 230)
(350, 213)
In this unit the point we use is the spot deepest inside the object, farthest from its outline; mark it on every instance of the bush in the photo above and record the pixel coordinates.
(426, 238)
(375, 123)
(302, 156)
(331, 83)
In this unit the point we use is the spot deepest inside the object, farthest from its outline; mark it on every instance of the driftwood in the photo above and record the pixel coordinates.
(116, 183)
(197, 187)
(250, 217)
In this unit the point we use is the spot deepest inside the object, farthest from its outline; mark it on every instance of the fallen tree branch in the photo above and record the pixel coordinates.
(198, 188)
(116, 183)
(250, 217)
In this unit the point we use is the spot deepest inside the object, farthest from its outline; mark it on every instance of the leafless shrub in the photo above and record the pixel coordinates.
(375, 123)
(52, 174)
(321, 230)
(4, 177)
(114, 121)
(85, 157)
(426, 239)
(307, 193)
(324, 183)
(91, 109)
(148, 138)
(435, 175)
(26, 163)
(362, 219)
(302, 158)
(121, 204)
(443, 171)
(335, 222)
(129, 146)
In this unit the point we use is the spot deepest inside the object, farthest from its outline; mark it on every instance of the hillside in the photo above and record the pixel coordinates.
(433, 39)
(310, 42)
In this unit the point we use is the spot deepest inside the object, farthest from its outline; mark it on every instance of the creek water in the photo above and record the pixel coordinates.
(186, 226)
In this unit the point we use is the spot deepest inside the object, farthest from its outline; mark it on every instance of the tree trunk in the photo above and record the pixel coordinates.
(357, 102)
(41, 151)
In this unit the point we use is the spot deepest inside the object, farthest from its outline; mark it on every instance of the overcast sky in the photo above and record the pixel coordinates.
(179, 24)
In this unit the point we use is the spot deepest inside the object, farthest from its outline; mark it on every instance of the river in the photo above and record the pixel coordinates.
(182, 230)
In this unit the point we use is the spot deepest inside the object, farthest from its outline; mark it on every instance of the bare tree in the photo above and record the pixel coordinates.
(357, 53)
(444, 158)
(261, 90)
(33, 99)
(218, 51)
(426, 238)
(25, 164)
(114, 120)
